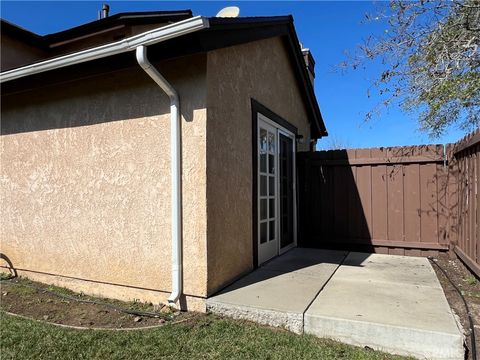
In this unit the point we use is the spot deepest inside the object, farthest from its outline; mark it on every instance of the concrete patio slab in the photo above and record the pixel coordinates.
(389, 268)
(387, 302)
(278, 293)
(390, 303)
(310, 262)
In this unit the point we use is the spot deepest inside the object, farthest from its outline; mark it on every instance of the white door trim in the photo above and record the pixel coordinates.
(266, 251)
(269, 247)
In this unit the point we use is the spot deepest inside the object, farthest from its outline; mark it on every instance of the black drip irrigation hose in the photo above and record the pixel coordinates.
(472, 327)
(85, 301)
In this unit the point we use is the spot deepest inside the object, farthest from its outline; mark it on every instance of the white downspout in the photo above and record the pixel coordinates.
(175, 151)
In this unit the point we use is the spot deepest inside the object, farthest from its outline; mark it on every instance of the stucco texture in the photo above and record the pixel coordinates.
(260, 70)
(85, 183)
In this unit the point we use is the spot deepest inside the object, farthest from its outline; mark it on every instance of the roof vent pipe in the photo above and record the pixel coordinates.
(175, 151)
(104, 12)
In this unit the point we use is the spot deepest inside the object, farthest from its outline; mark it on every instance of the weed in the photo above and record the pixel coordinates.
(470, 280)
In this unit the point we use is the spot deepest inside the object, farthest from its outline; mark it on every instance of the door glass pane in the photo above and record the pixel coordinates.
(271, 208)
(263, 163)
(271, 230)
(263, 233)
(286, 191)
(263, 140)
(271, 142)
(263, 209)
(271, 164)
(263, 185)
(271, 185)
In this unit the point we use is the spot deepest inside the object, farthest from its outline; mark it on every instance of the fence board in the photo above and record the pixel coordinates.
(477, 191)
(379, 202)
(412, 203)
(452, 197)
(364, 184)
(352, 199)
(428, 203)
(471, 204)
(395, 203)
(340, 210)
(442, 201)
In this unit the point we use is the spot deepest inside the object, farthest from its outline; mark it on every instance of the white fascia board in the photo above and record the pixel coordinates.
(147, 38)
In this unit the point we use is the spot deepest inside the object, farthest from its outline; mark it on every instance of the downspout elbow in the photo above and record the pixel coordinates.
(141, 54)
(175, 143)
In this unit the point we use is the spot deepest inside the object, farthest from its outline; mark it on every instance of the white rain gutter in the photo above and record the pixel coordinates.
(129, 44)
(175, 154)
(139, 43)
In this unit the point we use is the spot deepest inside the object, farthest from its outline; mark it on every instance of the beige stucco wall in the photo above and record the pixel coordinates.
(16, 53)
(85, 183)
(259, 70)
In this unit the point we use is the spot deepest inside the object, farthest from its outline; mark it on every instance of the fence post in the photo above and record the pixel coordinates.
(452, 199)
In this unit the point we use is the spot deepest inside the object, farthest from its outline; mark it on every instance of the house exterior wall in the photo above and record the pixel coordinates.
(85, 183)
(15, 53)
(100, 38)
(258, 70)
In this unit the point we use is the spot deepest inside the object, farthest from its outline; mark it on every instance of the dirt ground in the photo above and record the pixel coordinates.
(57, 305)
(61, 306)
(470, 288)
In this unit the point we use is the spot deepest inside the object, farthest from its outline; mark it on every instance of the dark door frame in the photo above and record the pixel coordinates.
(256, 109)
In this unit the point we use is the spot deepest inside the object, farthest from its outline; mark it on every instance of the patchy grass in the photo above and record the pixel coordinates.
(29, 285)
(202, 337)
(470, 280)
(5, 275)
(185, 336)
(62, 306)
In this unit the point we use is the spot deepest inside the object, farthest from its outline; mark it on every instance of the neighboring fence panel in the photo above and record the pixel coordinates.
(388, 200)
(465, 167)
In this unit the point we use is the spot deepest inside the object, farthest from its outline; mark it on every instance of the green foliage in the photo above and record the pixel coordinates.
(5, 275)
(470, 280)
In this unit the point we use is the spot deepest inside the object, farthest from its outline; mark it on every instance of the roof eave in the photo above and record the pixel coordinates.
(265, 27)
(120, 18)
(147, 38)
(318, 128)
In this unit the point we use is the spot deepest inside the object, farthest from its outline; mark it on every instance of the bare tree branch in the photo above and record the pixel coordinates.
(430, 51)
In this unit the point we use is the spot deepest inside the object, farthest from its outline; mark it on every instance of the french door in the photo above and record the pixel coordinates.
(276, 189)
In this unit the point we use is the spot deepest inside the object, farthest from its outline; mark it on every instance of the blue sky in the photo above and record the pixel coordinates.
(328, 28)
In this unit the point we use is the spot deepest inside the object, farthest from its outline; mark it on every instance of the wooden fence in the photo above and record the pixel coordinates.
(464, 169)
(388, 200)
(415, 200)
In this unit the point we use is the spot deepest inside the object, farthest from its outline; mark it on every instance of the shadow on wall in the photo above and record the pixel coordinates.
(121, 95)
(387, 200)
